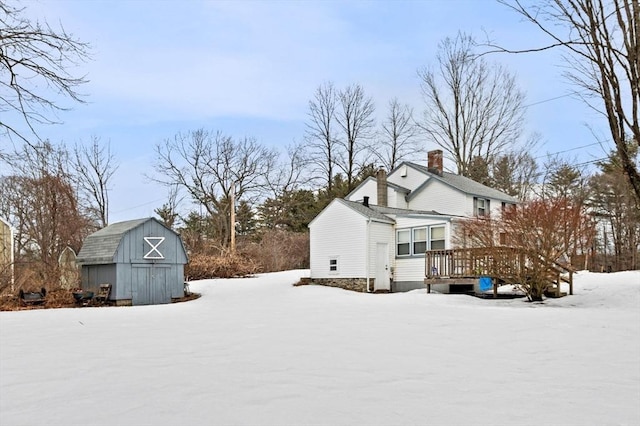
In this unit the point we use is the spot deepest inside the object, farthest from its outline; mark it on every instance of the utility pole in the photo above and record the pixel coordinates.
(232, 219)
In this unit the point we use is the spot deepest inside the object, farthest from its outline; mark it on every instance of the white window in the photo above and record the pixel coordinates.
(333, 264)
(403, 242)
(419, 240)
(416, 241)
(437, 238)
(481, 207)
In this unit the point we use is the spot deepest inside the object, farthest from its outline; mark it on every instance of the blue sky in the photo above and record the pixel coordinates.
(249, 68)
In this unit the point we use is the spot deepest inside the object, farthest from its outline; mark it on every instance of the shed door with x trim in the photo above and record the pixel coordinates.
(150, 285)
(149, 280)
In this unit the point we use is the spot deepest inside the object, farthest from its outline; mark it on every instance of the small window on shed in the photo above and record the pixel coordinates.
(333, 264)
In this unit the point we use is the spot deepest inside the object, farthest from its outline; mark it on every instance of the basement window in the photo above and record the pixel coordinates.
(333, 264)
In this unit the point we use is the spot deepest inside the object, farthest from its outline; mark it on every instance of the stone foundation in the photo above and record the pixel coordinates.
(353, 284)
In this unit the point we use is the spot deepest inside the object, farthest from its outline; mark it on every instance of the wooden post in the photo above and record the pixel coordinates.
(495, 287)
(571, 283)
(558, 292)
(232, 219)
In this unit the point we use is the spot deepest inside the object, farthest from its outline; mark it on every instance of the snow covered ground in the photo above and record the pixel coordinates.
(259, 351)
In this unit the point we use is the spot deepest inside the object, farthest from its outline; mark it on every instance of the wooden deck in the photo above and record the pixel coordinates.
(505, 265)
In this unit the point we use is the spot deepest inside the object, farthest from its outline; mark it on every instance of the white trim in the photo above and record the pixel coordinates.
(154, 248)
(337, 265)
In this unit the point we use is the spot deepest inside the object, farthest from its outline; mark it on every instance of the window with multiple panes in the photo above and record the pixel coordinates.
(417, 241)
(480, 206)
(333, 264)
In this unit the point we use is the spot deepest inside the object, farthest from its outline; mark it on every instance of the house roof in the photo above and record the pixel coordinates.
(101, 246)
(380, 212)
(370, 212)
(397, 211)
(461, 183)
(5, 222)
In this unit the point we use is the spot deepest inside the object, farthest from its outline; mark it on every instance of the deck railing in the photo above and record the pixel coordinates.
(472, 262)
(508, 264)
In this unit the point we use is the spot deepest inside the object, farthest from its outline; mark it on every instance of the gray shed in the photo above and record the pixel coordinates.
(142, 259)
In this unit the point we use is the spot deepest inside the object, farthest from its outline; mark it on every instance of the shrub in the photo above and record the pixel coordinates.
(279, 250)
(226, 265)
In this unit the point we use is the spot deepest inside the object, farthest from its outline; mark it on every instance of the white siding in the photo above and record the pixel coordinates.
(368, 188)
(397, 199)
(380, 233)
(409, 269)
(441, 198)
(411, 181)
(340, 232)
(495, 206)
(412, 268)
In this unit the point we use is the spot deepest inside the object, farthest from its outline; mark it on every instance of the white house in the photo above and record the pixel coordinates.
(365, 246)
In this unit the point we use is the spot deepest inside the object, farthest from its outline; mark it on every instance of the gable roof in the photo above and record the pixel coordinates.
(461, 183)
(101, 246)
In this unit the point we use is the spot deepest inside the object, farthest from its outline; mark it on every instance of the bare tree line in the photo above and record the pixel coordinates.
(473, 110)
(54, 197)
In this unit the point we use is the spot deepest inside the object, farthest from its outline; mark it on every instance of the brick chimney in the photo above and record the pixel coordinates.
(434, 162)
(381, 177)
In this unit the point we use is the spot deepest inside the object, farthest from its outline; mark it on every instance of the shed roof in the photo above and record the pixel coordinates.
(101, 246)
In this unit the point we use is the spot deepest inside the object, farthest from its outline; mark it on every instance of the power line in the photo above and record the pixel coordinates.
(568, 150)
(550, 99)
(139, 205)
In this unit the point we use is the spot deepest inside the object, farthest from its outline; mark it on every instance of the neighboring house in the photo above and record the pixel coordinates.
(365, 246)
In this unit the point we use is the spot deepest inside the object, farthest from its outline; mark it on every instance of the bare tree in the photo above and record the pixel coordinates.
(209, 165)
(320, 132)
(473, 108)
(515, 173)
(355, 118)
(169, 210)
(288, 174)
(535, 237)
(398, 137)
(601, 41)
(94, 166)
(40, 200)
(612, 202)
(35, 68)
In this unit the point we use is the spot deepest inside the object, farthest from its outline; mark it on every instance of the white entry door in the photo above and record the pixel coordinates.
(382, 281)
